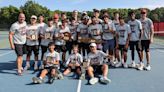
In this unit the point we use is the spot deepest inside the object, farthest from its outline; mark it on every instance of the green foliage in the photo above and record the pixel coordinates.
(9, 14)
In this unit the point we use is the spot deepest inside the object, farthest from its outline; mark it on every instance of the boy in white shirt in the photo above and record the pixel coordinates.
(32, 43)
(96, 65)
(46, 36)
(122, 41)
(73, 62)
(51, 62)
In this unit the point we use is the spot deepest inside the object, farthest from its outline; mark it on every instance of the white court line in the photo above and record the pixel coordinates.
(79, 86)
(6, 53)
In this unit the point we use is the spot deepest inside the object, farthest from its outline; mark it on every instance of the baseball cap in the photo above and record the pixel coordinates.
(95, 10)
(92, 45)
(86, 17)
(75, 11)
(84, 12)
(33, 17)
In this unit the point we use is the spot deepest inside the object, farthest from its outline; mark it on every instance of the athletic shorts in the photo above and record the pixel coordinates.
(135, 45)
(97, 69)
(145, 45)
(44, 48)
(49, 69)
(61, 48)
(108, 45)
(74, 70)
(34, 49)
(20, 49)
(122, 48)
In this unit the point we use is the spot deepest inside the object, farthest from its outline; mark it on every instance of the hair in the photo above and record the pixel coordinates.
(50, 19)
(75, 46)
(51, 43)
(116, 13)
(121, 17)
(41, 15)
(131, 12)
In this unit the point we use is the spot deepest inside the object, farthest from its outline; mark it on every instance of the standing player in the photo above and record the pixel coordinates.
(17, 39)
(82, 30)
(59, 39)
(32, 42)
(41, 25)
(46, 37)
(109, 31)
(136, 30)
(122, 41)
(96, 65)
(146, 38)
(95, 31)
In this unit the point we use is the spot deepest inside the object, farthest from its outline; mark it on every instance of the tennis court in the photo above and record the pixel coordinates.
(125, 80)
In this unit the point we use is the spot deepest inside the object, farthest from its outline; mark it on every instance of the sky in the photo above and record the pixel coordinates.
(87, 5)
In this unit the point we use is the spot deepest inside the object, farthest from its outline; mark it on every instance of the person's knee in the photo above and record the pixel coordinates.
(104, 67)
(53, 71)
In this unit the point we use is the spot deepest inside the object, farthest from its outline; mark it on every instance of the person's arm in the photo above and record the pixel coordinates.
(152, 31)
(57, 59)
(11, 34)
(128, 39)
(141, 30)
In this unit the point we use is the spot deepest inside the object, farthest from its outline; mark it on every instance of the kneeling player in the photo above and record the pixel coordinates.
(73, 62)
(96, 65)
(51, 61)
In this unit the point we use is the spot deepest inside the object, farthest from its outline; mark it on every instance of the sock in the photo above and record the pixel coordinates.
(27, 63)
(122, 60)
(41, 78)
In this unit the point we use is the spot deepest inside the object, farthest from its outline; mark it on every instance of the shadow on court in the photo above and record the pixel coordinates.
(8, 67)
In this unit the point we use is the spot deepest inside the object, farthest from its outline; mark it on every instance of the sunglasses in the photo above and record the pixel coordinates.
(33, 18)
(143, 12)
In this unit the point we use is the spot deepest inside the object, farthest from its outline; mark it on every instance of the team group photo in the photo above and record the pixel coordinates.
(87, 46)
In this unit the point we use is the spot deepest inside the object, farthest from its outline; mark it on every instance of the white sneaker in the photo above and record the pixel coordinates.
(37, 80)
(41, 67)
(140, 66)
(119, 64)
(132, 65)
(105, 80)
(93, 81)
(26, 67)
(148, 68)
(125, 65)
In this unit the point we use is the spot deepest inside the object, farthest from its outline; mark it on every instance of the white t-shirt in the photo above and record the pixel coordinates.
(116, 23)
(48, 30)
(74, 58)
(59, 32)
(51, 58)
(19, 32)
(146, 25)
(136, 27)
(83, 30)
(96, 58)
(123, 32)
(42, 27)
(106, 27)
(73, 31)
(32, 30)
(93, 29)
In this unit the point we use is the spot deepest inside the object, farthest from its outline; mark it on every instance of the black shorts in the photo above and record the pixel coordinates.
(145, 45)
(61, 48)
(74, 70)
(97, 69)
(44, 48)
(135, 45)
(49, 69)
(34, 48)
(20, 49)
(122, 48)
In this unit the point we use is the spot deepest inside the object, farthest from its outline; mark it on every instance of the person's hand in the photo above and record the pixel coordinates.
(12, 47)
(151, 40)
(126, 46)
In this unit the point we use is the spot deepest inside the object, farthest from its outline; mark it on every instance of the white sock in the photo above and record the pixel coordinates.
(36, 64)
(27, 63)
(122, 60)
